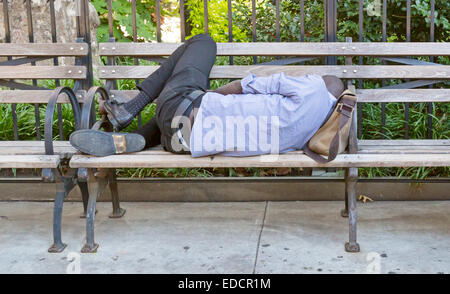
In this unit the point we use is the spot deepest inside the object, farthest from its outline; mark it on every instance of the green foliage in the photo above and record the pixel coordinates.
(122, 20)
(218, 19)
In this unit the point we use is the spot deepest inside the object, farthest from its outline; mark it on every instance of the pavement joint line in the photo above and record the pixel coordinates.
(259, 237)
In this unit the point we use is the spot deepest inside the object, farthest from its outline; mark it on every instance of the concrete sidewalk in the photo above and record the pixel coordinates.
(246, 237)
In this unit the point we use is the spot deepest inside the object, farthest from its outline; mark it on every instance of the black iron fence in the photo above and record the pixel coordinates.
(330, 26)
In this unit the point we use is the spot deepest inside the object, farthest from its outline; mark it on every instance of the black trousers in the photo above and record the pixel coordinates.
(185, 71)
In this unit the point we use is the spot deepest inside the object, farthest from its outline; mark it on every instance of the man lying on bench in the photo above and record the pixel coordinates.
(252, 116)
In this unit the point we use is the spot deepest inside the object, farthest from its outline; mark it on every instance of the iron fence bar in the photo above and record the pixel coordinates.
(158, 20)
(182, 21)
(302, 20)
(330, 25)
(110, 84)
(8, 40)
(205, 15)
(37, 116)
(230, 27)
(383, 81)
(360, 62)
(255, 60)
(277, 20)
(89, 82)
(408, 39)
(136, 60)
(430, 105)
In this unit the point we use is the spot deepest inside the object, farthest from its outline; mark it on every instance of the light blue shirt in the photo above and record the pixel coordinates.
(275, 114)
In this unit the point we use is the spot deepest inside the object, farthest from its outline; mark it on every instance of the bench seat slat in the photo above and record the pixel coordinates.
(403, 95)
(410, 143)
(295, 159)
(240, 71)
(364, 96)
(43, 49)
(29, 161)
(42, 72)
(35, 96)
(285, 49)
(61, 148)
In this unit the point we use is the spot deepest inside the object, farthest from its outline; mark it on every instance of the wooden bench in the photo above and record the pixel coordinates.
(52, 157)
(361, 153)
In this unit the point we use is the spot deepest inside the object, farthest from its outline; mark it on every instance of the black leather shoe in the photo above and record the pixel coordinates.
(101, 143)
(117, 114)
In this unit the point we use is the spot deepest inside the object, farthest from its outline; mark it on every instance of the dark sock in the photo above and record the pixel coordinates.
(138, 103)
(150, 131)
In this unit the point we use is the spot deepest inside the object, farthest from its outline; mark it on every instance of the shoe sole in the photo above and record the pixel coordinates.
(99, 143)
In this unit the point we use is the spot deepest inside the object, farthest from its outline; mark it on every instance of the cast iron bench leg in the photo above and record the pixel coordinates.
(85, 197)
(117, 212)
(344, 212)
(350, 190)
(96, 184)
(62, 190)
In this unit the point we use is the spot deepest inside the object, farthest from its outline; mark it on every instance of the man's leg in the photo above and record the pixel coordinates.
(151, 133)
(191, 73)
(122, 115)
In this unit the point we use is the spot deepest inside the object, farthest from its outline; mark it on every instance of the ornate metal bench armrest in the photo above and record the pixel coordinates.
(88, 115)
(88, 119)
(47, 174)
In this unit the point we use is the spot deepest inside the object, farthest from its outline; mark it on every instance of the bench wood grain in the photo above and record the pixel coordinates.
(42, 72)
(29, 161)
(285, 49)
(35, 96)
(43, 49)
(346, 72)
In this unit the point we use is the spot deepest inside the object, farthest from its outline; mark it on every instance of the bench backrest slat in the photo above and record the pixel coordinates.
(43, 49)
(240, 71)
(285, 49)
(364, 95)
(43, 72)
(35, 96)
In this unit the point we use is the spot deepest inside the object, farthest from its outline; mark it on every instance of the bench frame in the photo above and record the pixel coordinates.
(99, 177)
(64, 177)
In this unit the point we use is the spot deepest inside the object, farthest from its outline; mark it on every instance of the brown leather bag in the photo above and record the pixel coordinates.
(332, 137)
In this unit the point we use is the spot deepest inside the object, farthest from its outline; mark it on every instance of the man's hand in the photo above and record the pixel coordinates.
(231, 88)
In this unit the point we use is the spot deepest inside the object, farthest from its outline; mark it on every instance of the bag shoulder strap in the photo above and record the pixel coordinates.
(344, 105)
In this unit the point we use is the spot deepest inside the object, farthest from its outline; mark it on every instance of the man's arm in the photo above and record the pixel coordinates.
(288, 86)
